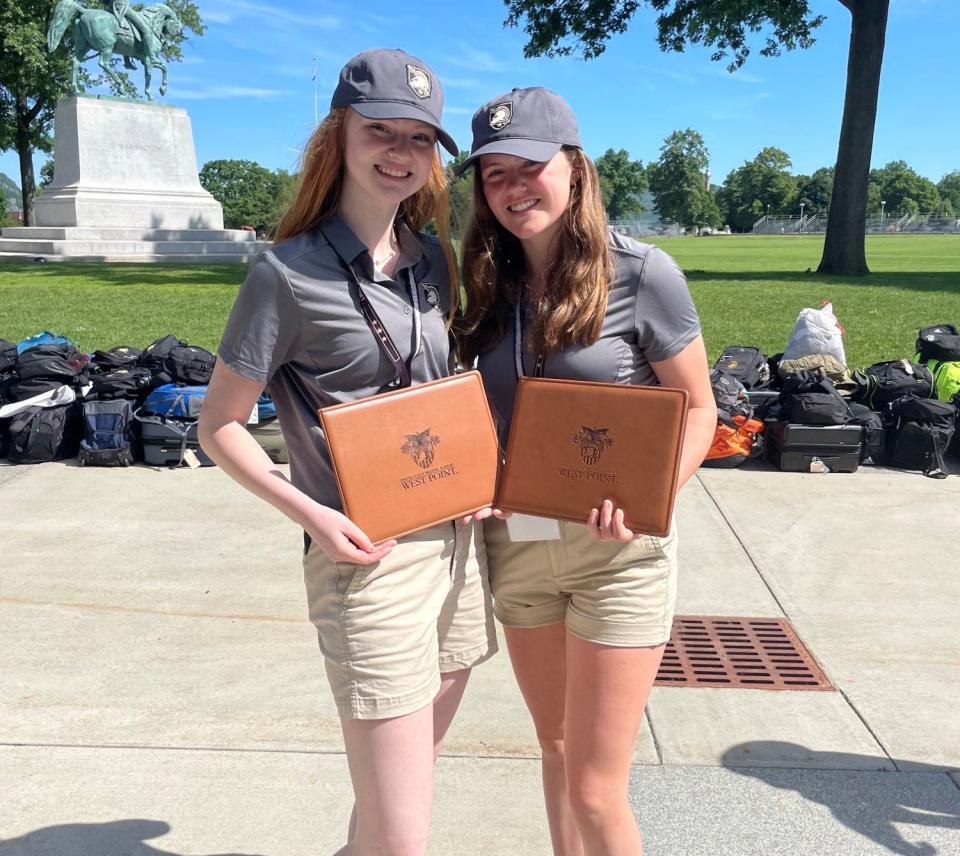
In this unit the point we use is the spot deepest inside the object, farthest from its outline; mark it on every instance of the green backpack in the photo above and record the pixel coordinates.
(946, 378)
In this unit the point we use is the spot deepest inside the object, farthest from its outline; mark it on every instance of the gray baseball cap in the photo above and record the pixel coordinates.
(531, 123)
(391, 84)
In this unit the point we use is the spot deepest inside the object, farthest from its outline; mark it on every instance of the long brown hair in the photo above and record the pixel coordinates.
(321, 184)
(569, 310)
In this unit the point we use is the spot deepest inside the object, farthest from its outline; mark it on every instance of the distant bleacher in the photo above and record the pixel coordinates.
(876, 224)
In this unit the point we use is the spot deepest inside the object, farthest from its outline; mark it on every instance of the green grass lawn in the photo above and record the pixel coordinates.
(748, 291)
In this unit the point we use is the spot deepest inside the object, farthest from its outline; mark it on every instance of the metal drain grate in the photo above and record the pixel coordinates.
(751, 653)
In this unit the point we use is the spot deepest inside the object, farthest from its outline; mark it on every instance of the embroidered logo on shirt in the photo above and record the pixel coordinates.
(432, 295)
(592, 442)
(501, 115)
(419, 81)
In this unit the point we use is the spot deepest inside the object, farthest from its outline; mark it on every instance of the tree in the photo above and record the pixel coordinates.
(814, 191)
(249, 193)
(46, 173)
(33, 80)
(622, 181)
(759, 186)
(725, 25)
(949, 188)
(679, 184)
(904, 190)
(461, 196)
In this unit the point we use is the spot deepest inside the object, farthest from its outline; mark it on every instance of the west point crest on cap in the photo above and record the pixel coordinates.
(501, 115)
(419, 81)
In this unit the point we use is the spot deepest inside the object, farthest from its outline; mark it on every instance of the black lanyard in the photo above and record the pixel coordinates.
(518, 347)
(401, 369)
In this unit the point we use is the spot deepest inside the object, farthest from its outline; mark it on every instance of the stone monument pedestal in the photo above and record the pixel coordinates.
(126, 187)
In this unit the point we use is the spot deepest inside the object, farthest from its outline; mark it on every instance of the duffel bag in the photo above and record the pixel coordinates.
(190, 364)
(107, 434)
(41, 434)
(885, 382)
(120, 357)
(55, 362)
(176, 400)
(946, 379)
(130, 383)
(918, 432)
(939, 342)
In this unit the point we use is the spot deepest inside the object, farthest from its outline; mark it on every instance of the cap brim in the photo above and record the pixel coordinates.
(532, 150)
(399, 110)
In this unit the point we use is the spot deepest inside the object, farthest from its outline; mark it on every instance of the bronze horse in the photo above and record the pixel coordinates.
(101, 31)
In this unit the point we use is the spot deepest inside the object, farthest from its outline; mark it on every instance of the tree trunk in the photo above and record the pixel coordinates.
(844, 247)
(28, 187)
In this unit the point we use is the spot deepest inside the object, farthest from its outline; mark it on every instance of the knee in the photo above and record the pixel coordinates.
(551, 745)
(594, 801)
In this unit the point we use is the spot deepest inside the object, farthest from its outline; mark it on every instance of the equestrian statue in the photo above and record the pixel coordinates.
(134, 34)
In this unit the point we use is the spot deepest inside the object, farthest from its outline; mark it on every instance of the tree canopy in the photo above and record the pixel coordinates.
(762, 185)
(560, 27)
(251, 195)
(679, 183)
(622, 181)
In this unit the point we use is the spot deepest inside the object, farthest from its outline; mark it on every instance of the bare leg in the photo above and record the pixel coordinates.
(607, 690)
(452, 686)
(539, 663)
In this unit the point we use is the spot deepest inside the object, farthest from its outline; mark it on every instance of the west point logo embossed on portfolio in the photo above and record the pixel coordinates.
(627, 449)
(590, 442)
(420, 447)
(414, 457)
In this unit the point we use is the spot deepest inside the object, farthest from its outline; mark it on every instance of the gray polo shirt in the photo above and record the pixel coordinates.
(650, 317)
(296, 326)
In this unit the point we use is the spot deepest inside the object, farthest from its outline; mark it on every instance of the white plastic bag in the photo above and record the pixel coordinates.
(816, 333)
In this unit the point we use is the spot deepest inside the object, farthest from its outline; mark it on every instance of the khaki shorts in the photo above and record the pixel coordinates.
(388, 630)
(604, 591)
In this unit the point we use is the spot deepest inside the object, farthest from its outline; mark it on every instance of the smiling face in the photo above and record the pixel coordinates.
(528, 198)
(386, 160)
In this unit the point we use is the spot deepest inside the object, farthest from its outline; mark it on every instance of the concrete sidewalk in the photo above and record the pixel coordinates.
(161, 691)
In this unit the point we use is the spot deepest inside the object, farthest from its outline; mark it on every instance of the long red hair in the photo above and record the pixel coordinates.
(321, 183)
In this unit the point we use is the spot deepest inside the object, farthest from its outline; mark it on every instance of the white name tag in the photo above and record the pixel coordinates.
(527, 527)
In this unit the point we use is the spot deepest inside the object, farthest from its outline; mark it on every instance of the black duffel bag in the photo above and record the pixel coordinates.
(129, 383)
(45, 367)
(918, 432)
(939, 342)
(190, 364)
(120, 357)
(41, 434)
(884, 382)
(810, 398)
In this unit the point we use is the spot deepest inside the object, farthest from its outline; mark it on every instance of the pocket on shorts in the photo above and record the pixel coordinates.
(350, 578)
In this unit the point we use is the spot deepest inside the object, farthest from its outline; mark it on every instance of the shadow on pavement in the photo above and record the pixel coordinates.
(837, 781)
(116, 838)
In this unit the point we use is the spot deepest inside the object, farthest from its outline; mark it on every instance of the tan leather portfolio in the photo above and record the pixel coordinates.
(575, 443)
(409, 459)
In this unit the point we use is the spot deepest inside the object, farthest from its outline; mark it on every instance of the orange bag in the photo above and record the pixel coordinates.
(732, 446)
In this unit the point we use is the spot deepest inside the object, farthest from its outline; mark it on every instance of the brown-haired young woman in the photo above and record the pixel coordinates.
(400, 624)
(588, 607)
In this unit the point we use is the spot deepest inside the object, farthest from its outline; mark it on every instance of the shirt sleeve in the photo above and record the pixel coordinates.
(263, 330)
(666, 318)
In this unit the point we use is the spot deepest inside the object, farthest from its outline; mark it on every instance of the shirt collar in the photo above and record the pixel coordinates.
(342, 238)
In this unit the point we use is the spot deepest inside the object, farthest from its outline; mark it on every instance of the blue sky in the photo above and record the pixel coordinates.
(247, 82)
